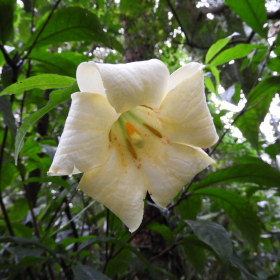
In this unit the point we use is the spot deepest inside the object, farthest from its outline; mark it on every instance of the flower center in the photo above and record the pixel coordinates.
(135, 132)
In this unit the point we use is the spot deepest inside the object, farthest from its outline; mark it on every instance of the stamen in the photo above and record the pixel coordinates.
(153, 130)
(147, 107)
(130, 129)
(131, 149)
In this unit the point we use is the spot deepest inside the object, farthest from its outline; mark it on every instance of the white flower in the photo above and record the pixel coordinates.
(132, 129)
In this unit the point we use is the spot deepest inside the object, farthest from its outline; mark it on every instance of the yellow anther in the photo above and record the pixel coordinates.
(131, 149)
(153, 130)
(130, 129)
(134, 135)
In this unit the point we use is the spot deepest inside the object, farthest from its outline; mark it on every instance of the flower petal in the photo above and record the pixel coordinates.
(89, 79)
(84, 143)
(185, 115)
(127, 85)
(183, 73)
(175, 166)
(121, 188)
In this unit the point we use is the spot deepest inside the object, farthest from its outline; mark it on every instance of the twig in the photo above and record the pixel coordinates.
(106, 245)
(3, 207)
(188, 42)
(40, 32)
(29, 201)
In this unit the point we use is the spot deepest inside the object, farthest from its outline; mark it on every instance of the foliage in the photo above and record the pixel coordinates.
(223, 225)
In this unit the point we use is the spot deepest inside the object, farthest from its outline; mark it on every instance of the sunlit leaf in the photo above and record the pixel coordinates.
(239, 51)
(45, 81)
(56, 98)
(265, 89)
(250, 121)
(253, 12)
(70, 24)
(216, 47)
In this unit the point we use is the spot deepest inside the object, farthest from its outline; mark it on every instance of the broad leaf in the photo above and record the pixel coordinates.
(253, 12)
(232, 94)
(216, 47)
(238, 209)
(53, 63)
(239, 51)
(250, 121)
(11, 173)
(163, 230)
(45, 81)
(56, 98)
(195, 254)
(266, 88)
(189, 208)
(6, 19)
(246, 275)
(88, 273)
(27, 241)
(124, 244)
(260, 174)
(215, 236)
(70, 24)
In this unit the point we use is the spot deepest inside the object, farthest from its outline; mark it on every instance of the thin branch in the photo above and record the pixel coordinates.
(3, 207)
(107, 259)
(40, 32)
(9, 61)
(188, 42)
(29, 201)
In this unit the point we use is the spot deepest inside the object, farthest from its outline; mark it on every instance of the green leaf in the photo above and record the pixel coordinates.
(6, 111)
(27, 241)
(250, 121)
(6, 19)
(260, 174)
(215, 236)
(53, 63)
(209, 84)
(216, 47)
(56, 98)
(126, 245)
(232, 94)
(163, 230)
(18, 210)
(195, 254)
(273, 150)
(55, 180)
(236, 52)
(88, 273)
(45, 81)
(238, 209)
(267, 87)
(253, 12)
(246, 275)
(189, 208)
(11, 174)
(70, 24)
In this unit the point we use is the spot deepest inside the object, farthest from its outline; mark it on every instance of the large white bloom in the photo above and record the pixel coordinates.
(134, 128)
